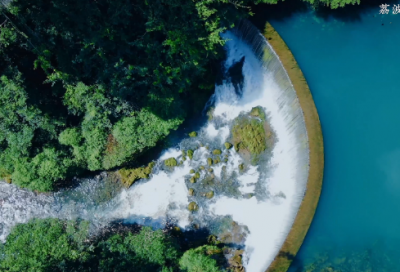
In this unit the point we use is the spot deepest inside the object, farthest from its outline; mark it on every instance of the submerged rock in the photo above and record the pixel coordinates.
(129, 176)
(193, 206)
(193, 134)
(171, 162)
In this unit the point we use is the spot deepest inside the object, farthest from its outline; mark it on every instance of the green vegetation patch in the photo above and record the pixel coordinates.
(258, 112)
(193, 206)
(228, 145)
(193, 134)
(190, 154)
(171, 162)
(210, 194)
(249, 134)
(129, 176)
(217, 152)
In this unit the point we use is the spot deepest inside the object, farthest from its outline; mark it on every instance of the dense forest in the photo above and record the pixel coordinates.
(56, 245)
(91, 85)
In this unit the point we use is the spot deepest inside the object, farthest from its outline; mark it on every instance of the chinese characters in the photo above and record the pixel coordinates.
(385, 10)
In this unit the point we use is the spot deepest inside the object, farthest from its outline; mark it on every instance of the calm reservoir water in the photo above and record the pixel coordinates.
(352, 64)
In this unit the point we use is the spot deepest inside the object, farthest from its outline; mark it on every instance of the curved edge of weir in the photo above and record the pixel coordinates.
(310, 200)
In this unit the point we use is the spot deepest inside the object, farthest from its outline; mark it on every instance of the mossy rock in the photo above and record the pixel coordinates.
(217, 152)
(228, 145)
(210, 194)
(217, 160)
(193, 134)
(213, 240)
(191, 192)
(241, 167)
(192, 180)
(171, 162)
(226, 160)
(237, 147)
(183, 158)
(210, 170)
(250, 135)
(191, 171)
(129, 176)
(258, 112)
(197, 175)
(190, 154)
(209, 161)
(202, 167)
(193, 206)
(183, 153)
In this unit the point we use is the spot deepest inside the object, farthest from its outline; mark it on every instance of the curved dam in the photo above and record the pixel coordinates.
(262, 198)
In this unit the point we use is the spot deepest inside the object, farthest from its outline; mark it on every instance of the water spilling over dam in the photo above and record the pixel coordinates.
(264, 199)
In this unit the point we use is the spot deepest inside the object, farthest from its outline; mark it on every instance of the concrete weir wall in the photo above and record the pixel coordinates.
(309, 203)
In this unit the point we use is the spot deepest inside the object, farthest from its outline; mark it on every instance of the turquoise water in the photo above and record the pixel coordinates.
(352, 65)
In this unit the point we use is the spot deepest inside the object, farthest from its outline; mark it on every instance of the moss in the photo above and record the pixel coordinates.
(191, 171)
(193, 134)
(191, 192)
(171, 162)
(228, 145)
(193, 206)
(190, 154)
(129, 176)
(217, 152)
(210, 194)
(241, 167)
(193, 180)
(258, 112)
(249, 134)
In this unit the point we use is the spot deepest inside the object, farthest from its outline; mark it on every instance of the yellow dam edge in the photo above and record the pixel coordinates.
(309, 203)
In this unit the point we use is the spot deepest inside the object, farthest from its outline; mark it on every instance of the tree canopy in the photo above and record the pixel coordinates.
(91, 85)
(57, 245)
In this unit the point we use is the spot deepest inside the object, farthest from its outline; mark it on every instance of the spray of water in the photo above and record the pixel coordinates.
(278, 185)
